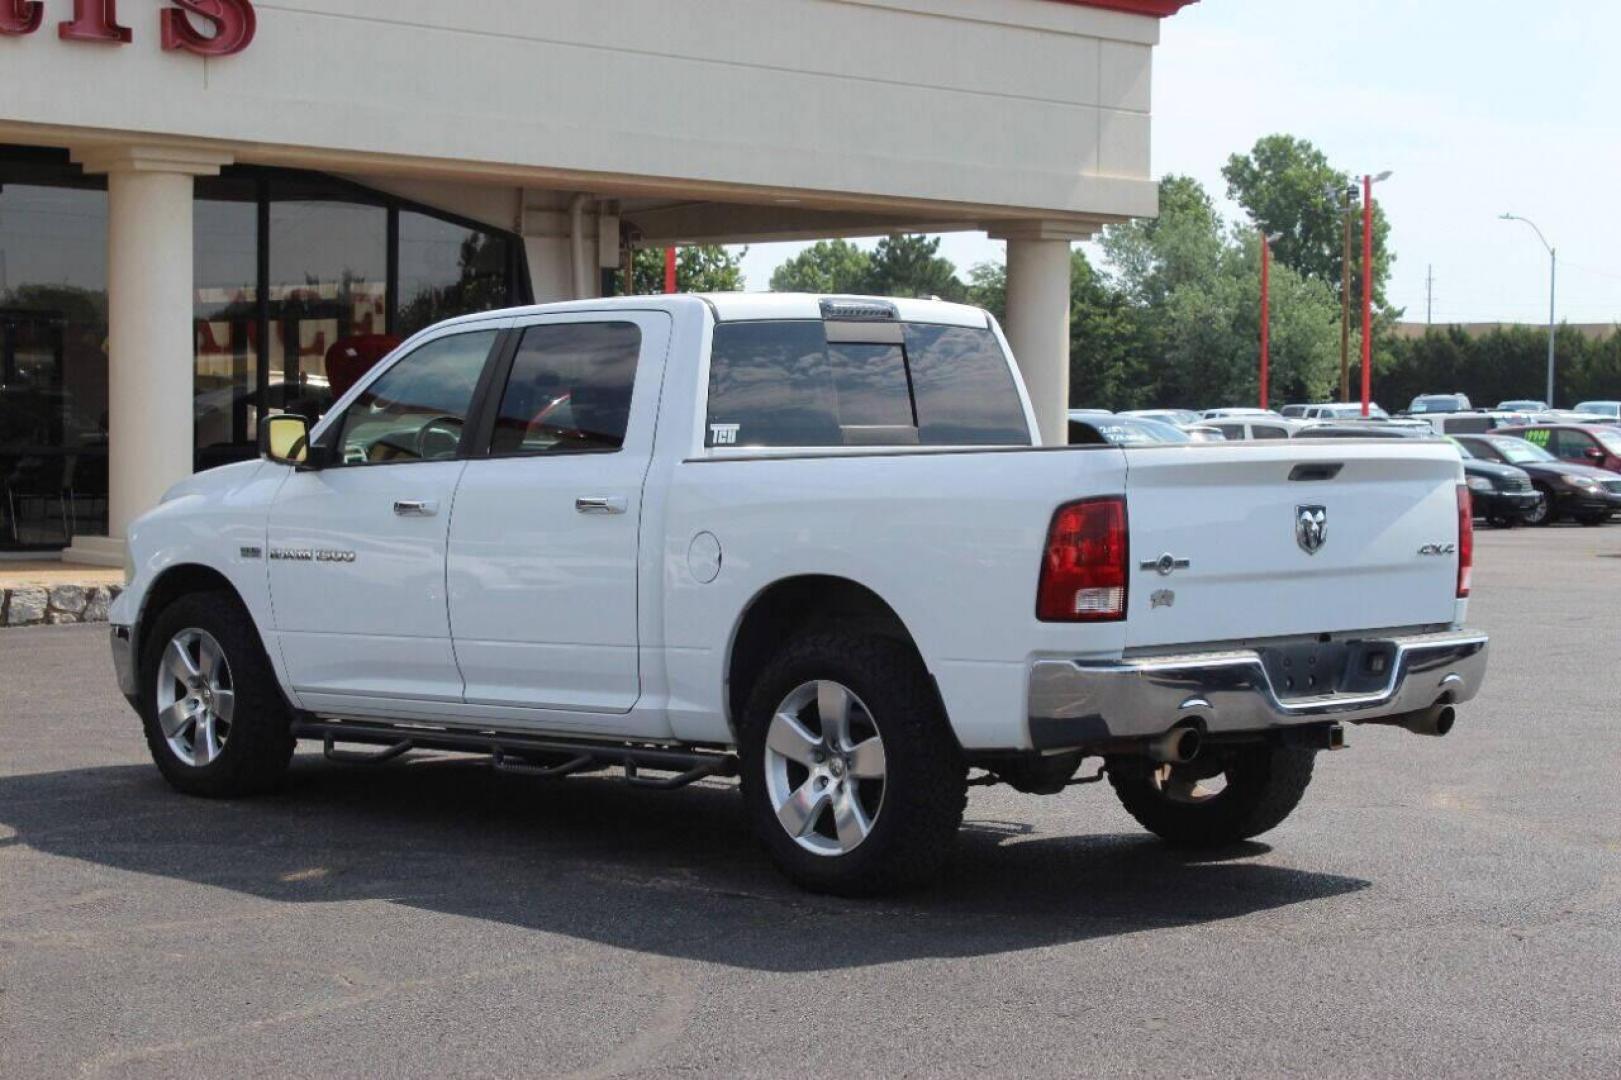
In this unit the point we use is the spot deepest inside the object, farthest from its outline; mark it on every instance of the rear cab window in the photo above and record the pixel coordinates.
(820, 384)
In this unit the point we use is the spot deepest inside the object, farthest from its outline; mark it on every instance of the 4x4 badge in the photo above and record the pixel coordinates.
(1311, 528)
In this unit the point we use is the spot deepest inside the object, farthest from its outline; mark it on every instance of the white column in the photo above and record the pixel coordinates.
(1038, 264)
(150, 337)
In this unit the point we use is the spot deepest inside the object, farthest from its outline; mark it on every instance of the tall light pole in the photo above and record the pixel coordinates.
(1553, 277)
(1367, 285)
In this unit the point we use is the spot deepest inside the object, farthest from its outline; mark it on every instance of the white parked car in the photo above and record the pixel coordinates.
(812, 542)
(1607, 410)
(1238, 428)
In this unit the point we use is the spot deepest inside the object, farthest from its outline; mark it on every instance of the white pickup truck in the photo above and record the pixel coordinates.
(812, 542)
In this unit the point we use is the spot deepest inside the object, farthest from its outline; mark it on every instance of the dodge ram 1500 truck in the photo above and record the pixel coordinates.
(811, 542)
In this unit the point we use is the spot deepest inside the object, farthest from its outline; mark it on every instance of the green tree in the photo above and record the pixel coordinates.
(1193, 292)
(827, 266)
(1288, 188)
(911, 265)
(698, 268)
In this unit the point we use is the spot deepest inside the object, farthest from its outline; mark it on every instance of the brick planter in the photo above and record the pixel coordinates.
(55, 605)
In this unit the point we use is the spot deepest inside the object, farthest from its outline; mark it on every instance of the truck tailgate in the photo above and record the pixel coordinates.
(1378, 548)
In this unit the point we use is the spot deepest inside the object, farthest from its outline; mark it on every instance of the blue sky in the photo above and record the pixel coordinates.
(1477, 106)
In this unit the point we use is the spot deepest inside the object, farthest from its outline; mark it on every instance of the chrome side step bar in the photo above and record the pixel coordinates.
(507, 752)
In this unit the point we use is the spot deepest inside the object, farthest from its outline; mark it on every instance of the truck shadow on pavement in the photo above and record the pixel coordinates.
(674, 874)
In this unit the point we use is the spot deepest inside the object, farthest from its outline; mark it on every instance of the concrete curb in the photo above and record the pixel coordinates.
(56, 605)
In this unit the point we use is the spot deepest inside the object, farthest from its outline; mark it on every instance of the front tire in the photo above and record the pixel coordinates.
(1543, 513)
(850, 773)
(1179, 803)
(215, 721)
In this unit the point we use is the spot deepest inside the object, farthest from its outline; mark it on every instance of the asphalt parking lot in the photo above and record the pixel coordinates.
(1442, 907)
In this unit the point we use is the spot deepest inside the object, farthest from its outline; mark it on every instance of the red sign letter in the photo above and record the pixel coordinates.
(232, 23)
(19, 16)
(95, 20)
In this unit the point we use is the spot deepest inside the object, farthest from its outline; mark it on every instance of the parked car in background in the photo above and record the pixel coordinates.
(1203, 432)
(1569, 489)
(1232, 411)
(1502, 494)
(1090, 430)
(1361, 429)
(1259, 426)
(1598, 445)
(1439, 403)
(1462, 423)
(1165, 416)
(1610, 410)
(1342, 410)
(1521, 405)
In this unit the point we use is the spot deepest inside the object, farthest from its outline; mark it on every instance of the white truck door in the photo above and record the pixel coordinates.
(544, 537)
(357, 549)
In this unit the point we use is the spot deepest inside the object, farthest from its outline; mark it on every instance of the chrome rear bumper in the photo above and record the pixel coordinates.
(1075, 703)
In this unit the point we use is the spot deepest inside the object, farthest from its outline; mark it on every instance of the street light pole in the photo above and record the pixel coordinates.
(1553, 278)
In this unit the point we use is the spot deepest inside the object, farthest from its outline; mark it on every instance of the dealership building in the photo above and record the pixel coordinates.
(211, 210)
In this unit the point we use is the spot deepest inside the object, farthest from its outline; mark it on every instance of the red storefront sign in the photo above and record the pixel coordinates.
(203, 27)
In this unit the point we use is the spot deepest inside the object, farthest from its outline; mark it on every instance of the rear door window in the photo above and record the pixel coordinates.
(1267, 431)
(1569, 444)
(781, 383)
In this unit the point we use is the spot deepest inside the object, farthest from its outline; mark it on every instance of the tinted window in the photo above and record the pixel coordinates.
(782, 384)
(569, 390)
(417, 409)
(1570, 445)
(1231, 431)
(966, 395)
(1266, 431)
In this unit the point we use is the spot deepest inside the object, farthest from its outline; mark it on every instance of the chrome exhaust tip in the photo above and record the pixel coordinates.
(1178, 746)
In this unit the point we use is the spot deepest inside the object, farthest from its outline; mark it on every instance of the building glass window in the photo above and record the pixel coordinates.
(448, 269)
(303, 282)
(226, 309)
(336, 276)
(53, 351)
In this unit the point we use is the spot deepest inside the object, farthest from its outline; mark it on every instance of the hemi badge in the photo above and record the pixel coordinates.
(253, 553)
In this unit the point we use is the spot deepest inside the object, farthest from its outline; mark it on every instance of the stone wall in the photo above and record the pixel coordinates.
(55, 605)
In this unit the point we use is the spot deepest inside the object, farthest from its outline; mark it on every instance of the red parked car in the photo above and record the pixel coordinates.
(1598, 445)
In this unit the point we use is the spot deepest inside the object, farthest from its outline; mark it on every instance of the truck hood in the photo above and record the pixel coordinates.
(215, 481)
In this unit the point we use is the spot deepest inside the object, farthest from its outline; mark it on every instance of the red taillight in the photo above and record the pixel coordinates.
(1466, 540)
(1083, 572)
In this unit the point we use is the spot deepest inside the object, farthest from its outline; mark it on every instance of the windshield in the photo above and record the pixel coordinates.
(1436, 404)
(1138, 432)
(1520, 452)
(1611, 440)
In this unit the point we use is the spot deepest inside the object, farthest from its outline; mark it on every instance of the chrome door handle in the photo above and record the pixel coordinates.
(415, 508)
(601, 504)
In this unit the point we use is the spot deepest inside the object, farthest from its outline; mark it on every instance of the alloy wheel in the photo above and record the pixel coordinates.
(196, 697)
(825, 767)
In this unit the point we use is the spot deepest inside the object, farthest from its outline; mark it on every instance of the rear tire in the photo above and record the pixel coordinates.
(850, 772)
(1263, 786)
(215, 720)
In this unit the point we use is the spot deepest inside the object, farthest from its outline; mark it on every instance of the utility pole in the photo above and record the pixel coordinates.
(1429, 295)
(1367, 285)
(1266, 316)
(1345, 298)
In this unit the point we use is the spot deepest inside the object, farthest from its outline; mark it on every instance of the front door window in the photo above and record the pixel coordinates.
(417, 409)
